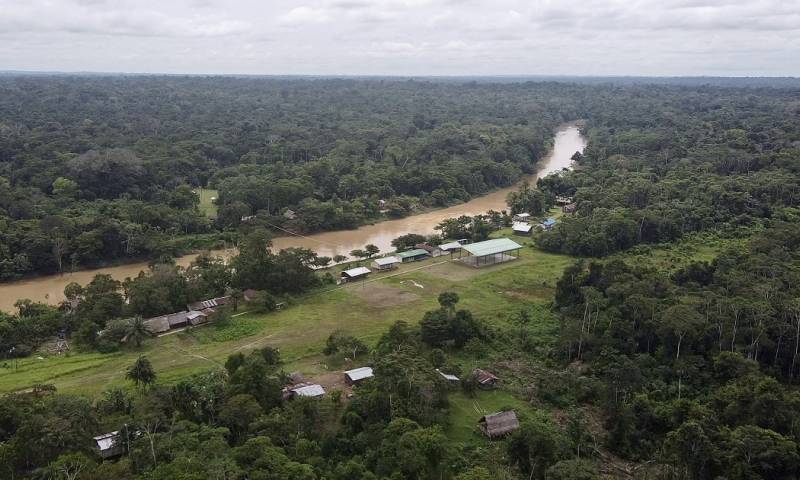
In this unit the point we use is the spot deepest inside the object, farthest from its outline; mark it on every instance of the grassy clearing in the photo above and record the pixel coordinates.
(466, 411)
(300, 330)
(207, 206)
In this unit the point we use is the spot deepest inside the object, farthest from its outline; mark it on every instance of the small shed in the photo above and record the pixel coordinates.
(212, 303)
(548, 223)
(357, 375)
(522, 217)
(569, 208)
(387, 263)
(485, 379)
(450, 247)
(290, 214)
(522, 228)
(109, 444)
(413, 255)
(355, 274)
(499, 424)
(296, 378)
(196, 318)
(432, 251)
(313, 391)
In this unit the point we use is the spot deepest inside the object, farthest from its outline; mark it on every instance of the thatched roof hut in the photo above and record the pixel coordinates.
(499, 424)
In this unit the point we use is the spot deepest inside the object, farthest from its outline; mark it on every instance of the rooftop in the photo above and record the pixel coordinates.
(412, 253)
(491, 247)
(498, 424)
(450, 246)
(549, 222)
(309, 391)
(387, 260)
(359, 373)
(356, 272)
(522, 227)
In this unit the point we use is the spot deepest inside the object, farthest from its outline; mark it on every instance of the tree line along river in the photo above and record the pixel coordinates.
(567, 141)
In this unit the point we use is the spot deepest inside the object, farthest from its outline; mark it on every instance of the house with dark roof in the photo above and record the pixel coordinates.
(211, 304)
(499, 424)
(485, 379)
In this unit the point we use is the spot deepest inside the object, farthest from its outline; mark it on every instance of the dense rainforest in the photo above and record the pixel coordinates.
(670, 369)
(102, 169)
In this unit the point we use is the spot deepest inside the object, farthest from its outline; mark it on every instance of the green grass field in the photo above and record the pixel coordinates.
(207, 206)
(466, 411)
(365, 309)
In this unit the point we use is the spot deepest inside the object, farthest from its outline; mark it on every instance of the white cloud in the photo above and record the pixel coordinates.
(404, 37)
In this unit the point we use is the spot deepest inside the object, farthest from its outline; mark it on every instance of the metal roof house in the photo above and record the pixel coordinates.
(522, 217)
(490, 252)
(522, 228)
(413, 255)
(387, 263)
(357, 375)
(208, 304)
(109, 444)
(313, 391)
(355, 274)
(548, 223)
(499, 424)
(450, 247)
(485, 379)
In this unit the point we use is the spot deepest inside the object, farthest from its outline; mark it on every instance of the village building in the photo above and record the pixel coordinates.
(560, 200)
(521, 228)
(548, 223)
(357, 375)
(522, 217)
(355, 274)
(387, 263)
(485, 379)
(414, 255)
(432, 251)
(109, 445)
(208, 306)
(308, 390)
(499, 424)
(490, 252)
(290, 214)
(450, 247)
(569, 208)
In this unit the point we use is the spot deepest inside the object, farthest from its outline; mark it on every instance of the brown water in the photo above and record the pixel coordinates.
(568, 140)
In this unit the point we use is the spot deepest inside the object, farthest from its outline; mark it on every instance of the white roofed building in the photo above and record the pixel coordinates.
(357, 375)
(313, 391)
(387, 263)
(355, 273)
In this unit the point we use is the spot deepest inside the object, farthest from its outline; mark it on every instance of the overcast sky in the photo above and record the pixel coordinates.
(404, 37)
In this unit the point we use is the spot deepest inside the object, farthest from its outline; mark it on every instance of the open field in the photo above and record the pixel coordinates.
(465, 412)
(207, 206)
(365, 309)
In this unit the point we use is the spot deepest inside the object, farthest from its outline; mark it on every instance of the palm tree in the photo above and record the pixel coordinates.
(141, 372)
(138, 331)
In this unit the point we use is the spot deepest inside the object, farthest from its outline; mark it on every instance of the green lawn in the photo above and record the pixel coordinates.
(466, 411)
(299, 331)
(207, 206)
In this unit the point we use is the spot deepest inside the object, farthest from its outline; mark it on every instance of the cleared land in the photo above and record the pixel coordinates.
(207, 205)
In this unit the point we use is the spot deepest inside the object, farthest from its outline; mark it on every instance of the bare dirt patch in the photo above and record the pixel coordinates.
(380, 295)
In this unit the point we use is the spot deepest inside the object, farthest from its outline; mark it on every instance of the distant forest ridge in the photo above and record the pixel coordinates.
(687, 80)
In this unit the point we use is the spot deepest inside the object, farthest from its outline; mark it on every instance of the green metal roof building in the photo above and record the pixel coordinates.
(490, 252)
(413, 255)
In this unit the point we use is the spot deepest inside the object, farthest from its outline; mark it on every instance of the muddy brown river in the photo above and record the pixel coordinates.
(568, 140)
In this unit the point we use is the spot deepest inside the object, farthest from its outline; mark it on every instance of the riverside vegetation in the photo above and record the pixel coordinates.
(651, 334)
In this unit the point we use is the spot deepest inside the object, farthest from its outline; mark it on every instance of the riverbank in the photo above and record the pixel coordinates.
(566, 142)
